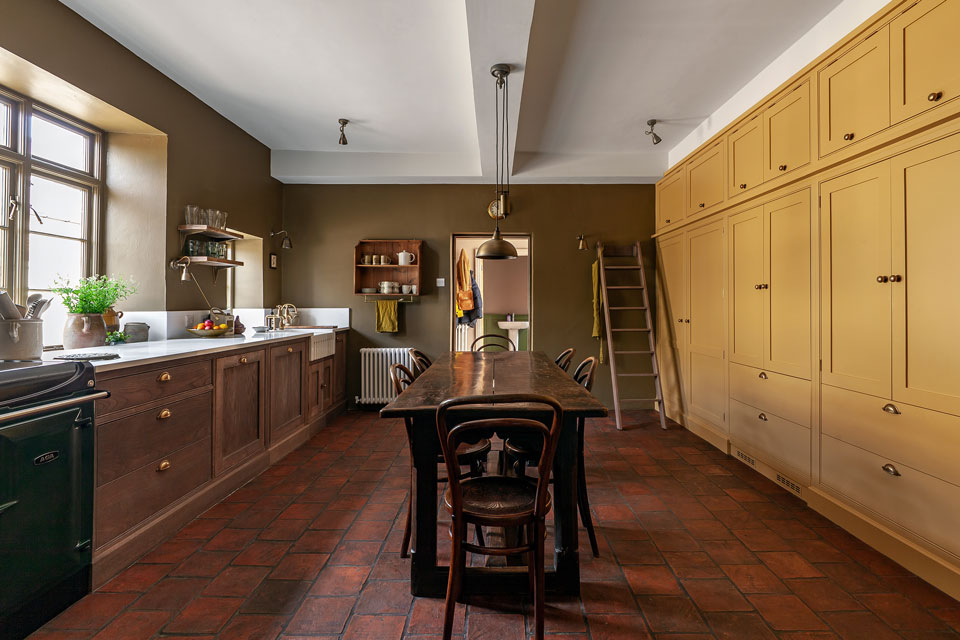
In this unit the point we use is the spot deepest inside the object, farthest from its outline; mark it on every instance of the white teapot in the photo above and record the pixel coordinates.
(405, 258)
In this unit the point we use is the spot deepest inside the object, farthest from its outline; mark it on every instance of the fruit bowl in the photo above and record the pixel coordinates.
(208, 333)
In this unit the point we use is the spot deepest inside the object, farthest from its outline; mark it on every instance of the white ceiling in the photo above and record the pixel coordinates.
(413, 77)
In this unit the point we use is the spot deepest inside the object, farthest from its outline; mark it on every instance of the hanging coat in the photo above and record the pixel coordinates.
(471, 316)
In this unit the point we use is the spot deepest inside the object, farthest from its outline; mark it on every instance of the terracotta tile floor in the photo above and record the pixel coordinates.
(693, 545)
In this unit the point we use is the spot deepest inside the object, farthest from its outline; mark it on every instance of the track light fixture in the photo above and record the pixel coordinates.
(343, 138)
(656, 139)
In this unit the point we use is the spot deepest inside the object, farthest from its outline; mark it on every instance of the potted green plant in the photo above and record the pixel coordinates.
(85, 302)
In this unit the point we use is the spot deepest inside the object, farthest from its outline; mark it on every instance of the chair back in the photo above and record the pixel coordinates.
(505, 345)
(401, 377)
(420, 361)
(565, 358)
(451, 434)
(583, 374)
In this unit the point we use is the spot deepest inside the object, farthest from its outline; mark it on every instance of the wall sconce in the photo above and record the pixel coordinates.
(186, 276)
(581, 243)
(287, 243)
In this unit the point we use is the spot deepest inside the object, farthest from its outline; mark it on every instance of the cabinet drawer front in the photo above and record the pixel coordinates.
(705, 180)
(783, 443)
(778, 394)
(128, 444)
(140, 388)
(129, 500)
(914, 500)
(925, 52)
(925, 440)
(855, 94)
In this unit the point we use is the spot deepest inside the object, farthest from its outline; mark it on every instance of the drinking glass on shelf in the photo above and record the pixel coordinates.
(194, 247)
(223, 220)
(191, 214)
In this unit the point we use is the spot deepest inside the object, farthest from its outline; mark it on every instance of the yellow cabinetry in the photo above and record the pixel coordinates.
(705, 179)
(670, 203)
(746, 278)
(786, 128)
(925, 56)
(671, 316)
(855, 93)
(745, 156)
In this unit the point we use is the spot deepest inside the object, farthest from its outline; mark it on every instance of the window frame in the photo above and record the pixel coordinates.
(18, 155)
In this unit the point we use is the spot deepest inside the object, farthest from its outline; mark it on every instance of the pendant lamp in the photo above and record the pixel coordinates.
(496, 248)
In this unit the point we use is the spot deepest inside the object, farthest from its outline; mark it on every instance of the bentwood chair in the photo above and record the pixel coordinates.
(523, 452)
(471, 455)
(566, 356)
(420, 362)
(499, 342)
(498, 501)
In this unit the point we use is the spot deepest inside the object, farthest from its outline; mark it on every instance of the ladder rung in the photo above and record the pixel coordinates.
(639, 399)
(623, 308)
(619, 352)
(637, 375)
(626, 287)
(630, 329)
(633, 267)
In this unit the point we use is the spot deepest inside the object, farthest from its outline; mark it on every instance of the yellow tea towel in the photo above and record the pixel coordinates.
(597, 306)
(386, 316)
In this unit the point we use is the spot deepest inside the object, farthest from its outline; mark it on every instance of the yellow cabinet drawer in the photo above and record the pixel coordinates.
(923, 439)
(919, 503)
(782, 395)
(705, 179)
(783, 443)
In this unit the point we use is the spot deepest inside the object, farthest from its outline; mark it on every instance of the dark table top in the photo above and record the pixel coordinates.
(463, 373)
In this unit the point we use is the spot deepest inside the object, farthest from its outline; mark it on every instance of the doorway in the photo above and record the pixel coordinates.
(505, 304)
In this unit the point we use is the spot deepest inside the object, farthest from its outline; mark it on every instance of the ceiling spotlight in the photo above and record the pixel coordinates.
(656, 139)
(343, 138)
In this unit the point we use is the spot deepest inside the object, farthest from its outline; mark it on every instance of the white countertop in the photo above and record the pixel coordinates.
(140, 353)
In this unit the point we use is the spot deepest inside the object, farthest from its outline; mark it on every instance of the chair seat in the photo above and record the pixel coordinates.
(496, 497)
(468, 452)
(522, 448)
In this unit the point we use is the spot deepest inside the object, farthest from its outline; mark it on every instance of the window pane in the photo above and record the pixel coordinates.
(56, 143)
(5, 124)
(60, 206)
(52, 259)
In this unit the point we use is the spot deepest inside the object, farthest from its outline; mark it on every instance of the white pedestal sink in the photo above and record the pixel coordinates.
(513, 329)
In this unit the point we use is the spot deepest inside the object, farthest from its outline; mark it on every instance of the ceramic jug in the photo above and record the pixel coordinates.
(405, 257)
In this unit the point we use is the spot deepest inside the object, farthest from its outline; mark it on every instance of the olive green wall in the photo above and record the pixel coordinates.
(326, 221)
(210, 161)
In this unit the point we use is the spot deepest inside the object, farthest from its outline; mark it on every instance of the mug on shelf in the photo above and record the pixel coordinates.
(385, 260)
(376, 259)
(365, 258)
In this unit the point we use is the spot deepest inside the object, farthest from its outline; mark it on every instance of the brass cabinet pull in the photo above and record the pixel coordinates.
(763, 417)
(703, 204)
(164, 414)
(892, 470)
(687, 320)
(848, 136)
(896, 278)
(756, 286)
(782, 167)
(680, 320)
(667, 221)
(743, 185)
(163, 466)
(935, 96)
(164, 377)
(763, 375)
(243, 359)
(764, 286)
(891, 408)
(323, 385)
(289, 349)
(883, 279)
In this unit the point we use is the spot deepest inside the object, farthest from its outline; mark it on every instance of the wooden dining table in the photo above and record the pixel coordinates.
(466, 373)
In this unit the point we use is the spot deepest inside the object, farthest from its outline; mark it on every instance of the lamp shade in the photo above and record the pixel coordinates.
(496, 248)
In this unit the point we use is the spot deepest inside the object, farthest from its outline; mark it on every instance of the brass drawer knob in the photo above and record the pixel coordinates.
(763, 375)
(848, 136)
(164, 414)
(289, 349)
(702, 205)
(164, 377)
(891, 409)
(756, 286)
(243, 359)
(743, 185)
(782, 167)
(896, 278)
(935, 96)
(163, 466)
(667, 221)
(890, 469)
(883, 279)
(763, 417)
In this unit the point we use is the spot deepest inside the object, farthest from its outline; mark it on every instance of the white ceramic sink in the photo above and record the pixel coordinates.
(513, 329)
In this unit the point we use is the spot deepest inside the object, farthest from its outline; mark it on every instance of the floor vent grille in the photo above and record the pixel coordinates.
(789, 484)
(750, 461)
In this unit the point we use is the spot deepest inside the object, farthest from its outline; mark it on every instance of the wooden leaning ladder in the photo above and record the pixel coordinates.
(629, 251)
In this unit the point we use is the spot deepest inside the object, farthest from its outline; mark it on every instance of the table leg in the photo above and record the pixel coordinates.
(566, 558)
(424, 577)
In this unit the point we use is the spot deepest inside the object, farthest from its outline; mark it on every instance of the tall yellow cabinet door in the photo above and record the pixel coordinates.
(706, 368)
(745, 275)
(670, 205)
(745, 161)
(855, 93)
(786, 127)
(925, 52)
(786, 285)
(926, 264)
(671, 312)
(855, 306)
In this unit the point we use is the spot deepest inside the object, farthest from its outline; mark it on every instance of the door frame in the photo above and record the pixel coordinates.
(451, 288)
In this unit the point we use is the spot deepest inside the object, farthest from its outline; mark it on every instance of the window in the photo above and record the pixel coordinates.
(50, 189)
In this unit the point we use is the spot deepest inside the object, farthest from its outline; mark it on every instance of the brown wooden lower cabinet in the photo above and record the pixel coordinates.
(239, 430)
(287, 400)
(312, 390)
(340, 368)
(327, 366)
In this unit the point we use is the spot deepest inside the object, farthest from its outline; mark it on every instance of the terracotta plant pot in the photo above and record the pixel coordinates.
(83, 330)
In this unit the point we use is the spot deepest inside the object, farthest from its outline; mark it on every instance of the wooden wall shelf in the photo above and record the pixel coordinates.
(370, 275)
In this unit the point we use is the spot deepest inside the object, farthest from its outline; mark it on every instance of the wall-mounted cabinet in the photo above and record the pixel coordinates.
(855, 93)
(787, 134)
(670, 199)
(705, 179)
(745, 157)
(925, 56)
(367, 275)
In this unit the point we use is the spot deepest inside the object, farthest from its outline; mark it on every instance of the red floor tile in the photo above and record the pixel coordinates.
(786, 613)
(236, 581)
(93, 611)
(716, 595)
(203, 615)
